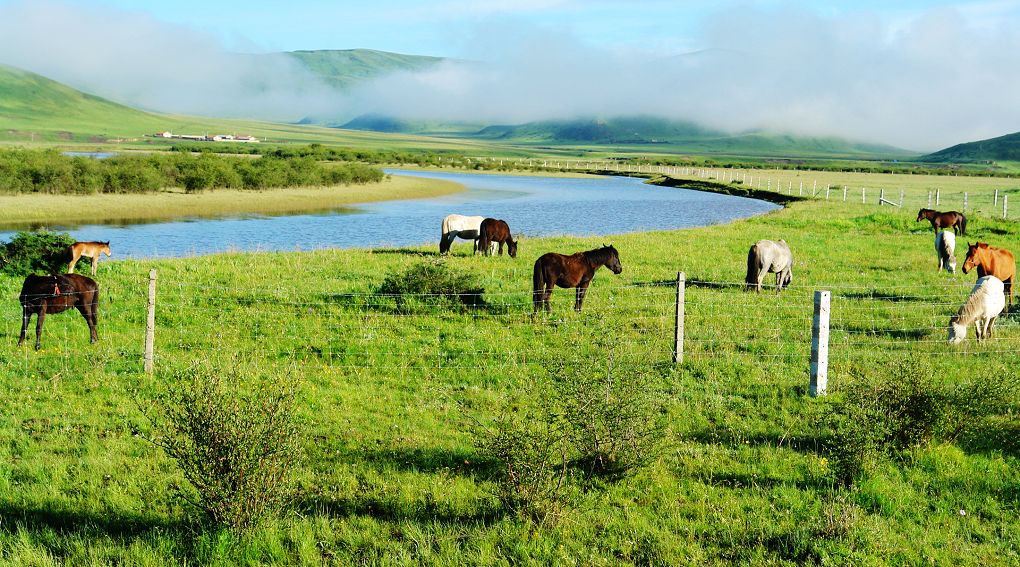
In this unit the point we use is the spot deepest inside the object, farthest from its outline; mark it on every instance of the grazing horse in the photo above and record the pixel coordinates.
(459, 226)
(944, 220)
(53, 294)
(492, 231)
(945, 248)
(769, 256)
(992, 261)
(576, 270)
(89, 249)
(981, 308)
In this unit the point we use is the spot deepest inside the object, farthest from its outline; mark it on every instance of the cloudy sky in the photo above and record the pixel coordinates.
(916, 74)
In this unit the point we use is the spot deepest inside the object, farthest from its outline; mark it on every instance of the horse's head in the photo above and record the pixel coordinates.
(924, 213)
(973, 256)
(613, 263)
(511, 247)
(104, 247)
(957, 332)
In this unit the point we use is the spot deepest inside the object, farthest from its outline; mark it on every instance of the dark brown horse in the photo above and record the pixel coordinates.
(944, 220)
(992, 261)
(53, 294)
(576, 270)
(496, 230)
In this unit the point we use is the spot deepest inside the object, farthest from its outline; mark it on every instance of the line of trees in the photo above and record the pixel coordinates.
(50, 171)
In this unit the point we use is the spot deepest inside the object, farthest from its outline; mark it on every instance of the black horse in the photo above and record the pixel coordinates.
(54, 294)
(576, 270)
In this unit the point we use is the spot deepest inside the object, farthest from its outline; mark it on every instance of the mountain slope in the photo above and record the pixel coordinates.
(343, 68)
(1003, 148)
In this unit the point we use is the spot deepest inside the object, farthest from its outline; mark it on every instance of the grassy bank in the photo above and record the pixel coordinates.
(18, 211)
(388, 394)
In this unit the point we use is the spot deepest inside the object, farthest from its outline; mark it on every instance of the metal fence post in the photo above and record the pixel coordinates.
(820, 345)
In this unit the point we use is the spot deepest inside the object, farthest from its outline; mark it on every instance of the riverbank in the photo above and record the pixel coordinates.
(25, 211)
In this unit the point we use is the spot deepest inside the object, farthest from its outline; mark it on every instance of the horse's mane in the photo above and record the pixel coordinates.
(976, 304)
(599, 255)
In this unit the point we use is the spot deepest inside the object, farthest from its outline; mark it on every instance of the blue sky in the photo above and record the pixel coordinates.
(918, 75)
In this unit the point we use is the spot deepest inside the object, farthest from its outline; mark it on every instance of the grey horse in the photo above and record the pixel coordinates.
(769, 256)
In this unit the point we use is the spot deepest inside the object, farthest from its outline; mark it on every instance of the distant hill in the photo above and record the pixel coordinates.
(56, 111)
(642, 132)
(1003, 148)
(344, 68)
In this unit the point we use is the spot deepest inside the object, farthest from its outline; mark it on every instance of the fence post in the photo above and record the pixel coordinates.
(864, 198)
(820, 345)
(678, 334)
(881, 196)
(150, 324)
(1005, 206)
(844, 193)
(929, 198)
(901, 198)
(938, 196)
(965, 201)
(996, 202)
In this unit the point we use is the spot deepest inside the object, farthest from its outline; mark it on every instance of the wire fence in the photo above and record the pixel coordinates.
(427, 334)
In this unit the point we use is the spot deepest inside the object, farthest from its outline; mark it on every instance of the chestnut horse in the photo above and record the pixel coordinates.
(90, 250)
(576, 270)
(944, 220)
(54, 294)
(496, 230)
(992, 261)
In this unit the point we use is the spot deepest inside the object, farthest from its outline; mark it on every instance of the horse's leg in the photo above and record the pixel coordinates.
(26, 317)
(95, 264)
(582, 288)
(501, 248)
(74, 260)
(88, 311)
(547, 295)
(38, 325)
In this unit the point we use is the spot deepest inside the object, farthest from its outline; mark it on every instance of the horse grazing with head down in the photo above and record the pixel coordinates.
(494, 231)
(981, 308)
(943, 220)
(767, 256)
(992, 261)
(54, 294)
(91, 250)
(945, 248)
(576, 270)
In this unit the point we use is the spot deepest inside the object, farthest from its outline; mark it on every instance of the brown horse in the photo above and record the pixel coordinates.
(496, 230)
(576, 270)
(89, 249)
(944, 220)
(53, 294)
(992, 261)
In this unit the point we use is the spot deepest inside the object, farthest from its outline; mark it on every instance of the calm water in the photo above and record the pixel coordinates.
(533, 206)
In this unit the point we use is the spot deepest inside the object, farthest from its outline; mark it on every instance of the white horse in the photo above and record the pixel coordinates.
(459, 226)
(982, 307)
(769, 256)
(945, 246)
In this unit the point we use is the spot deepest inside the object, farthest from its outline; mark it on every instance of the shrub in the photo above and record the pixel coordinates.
(36, 251)
(906, 408)
(612, 415)
(530, 448)
(432, 283)
(235, 443)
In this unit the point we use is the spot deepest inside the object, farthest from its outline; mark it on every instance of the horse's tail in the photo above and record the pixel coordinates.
(537, 282)
(963, 224)
(753, 267)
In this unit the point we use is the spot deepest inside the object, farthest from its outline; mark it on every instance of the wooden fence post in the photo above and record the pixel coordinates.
(678, 334)
(150, 324)
(820, 345)
(965, 201)
(929, 198)
(844, 193)
(996, 202)
(1005, 206)
(938, 196)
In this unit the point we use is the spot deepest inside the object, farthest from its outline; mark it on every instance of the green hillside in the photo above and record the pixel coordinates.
(1003, 148)
(343, 68)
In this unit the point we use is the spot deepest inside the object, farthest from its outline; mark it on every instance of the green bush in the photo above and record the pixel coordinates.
(432, 283)
(908, 407)
(236, 440)
(36, 252)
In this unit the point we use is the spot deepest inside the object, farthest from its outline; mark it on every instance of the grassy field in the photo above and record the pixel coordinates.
(388, 394)
(19, 211)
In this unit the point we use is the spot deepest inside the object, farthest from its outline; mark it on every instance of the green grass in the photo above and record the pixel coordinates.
(390, 475)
